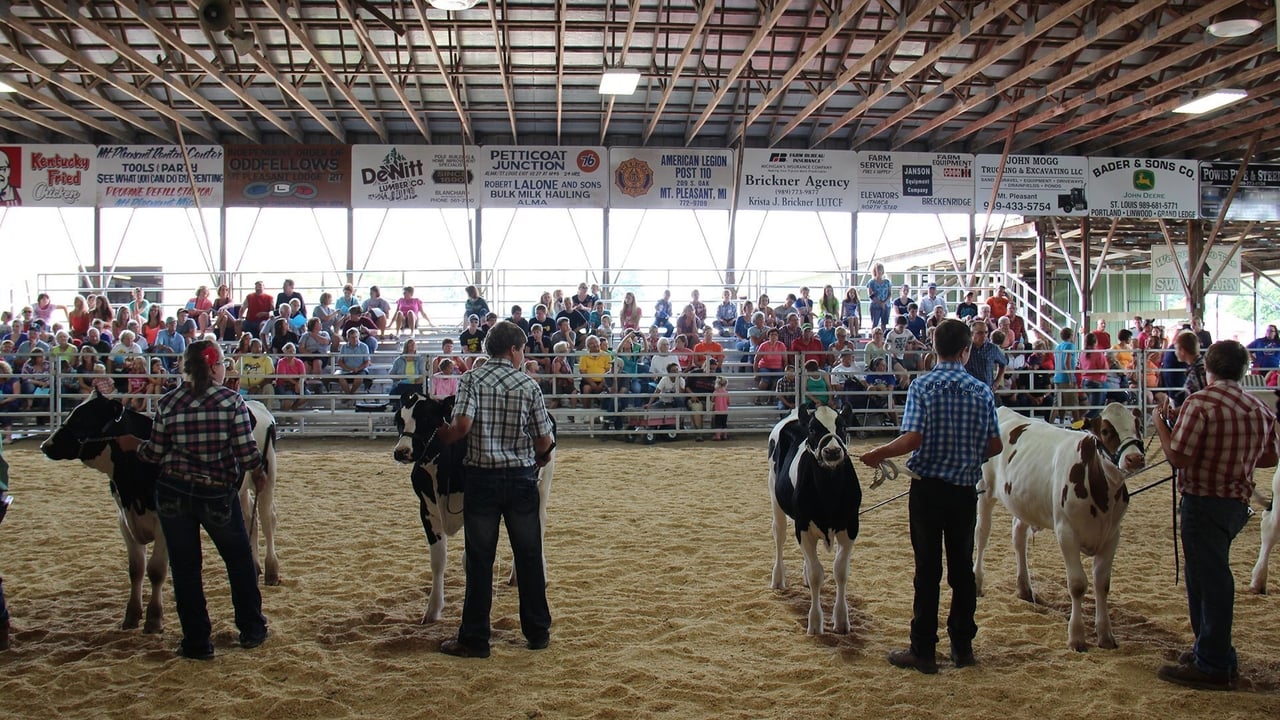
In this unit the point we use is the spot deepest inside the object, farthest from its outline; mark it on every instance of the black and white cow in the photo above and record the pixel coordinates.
(86, 436)
(812, 481)
(1271, 514)
(438, 483)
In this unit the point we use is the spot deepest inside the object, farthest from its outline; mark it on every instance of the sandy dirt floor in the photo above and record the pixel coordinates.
(659, 585)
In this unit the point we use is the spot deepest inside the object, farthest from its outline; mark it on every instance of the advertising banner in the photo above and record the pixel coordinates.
(1164, 272)
(389, 176)
(156, 176)
(1143, 188)
(797, 179)
(911, 182)
(305, 176)
(1257, 198)
(543, 176)
(1033, 185)
(47, 176)
(671, 178)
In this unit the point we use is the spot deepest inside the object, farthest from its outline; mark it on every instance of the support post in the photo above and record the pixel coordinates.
(1086, 283)
(1195, 280)
(351, 246)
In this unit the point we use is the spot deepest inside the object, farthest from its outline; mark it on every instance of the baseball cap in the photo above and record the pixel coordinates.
(933, 286)
(806, 326)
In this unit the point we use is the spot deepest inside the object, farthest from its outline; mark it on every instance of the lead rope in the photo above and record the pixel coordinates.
(1173, 497)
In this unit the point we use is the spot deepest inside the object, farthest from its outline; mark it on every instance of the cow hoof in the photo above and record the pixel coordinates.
(1079, 646)
(132, 618)
(1258, 590)
(1027, 597)
(1108, 643)
(271, 579)
(153, 627)
(428, 619)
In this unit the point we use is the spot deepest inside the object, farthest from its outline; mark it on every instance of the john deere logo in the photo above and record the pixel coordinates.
(1144, 180)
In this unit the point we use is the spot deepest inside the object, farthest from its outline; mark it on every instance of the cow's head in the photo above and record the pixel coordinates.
(417, 422)
(91, 425)
(826, 431)
(1119, 431)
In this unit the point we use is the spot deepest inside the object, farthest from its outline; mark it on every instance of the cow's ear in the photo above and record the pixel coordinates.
(1137, 420)
(802, 412)
(447, 404)
(846, 414)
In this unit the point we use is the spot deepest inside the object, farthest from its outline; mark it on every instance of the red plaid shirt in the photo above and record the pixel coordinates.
(1224, 430)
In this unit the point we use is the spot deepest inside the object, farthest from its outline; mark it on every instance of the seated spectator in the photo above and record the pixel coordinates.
(770, 359)
(708, 348)
(352, 363)
(670, 389)
(170, 344)
(348, 300)
(62, 350)
(256, 310)
(630, 314)
(314, 347)
(662, 313)
(809, 347)
(200, 309)
(851, 312)
(153, 324)
(567, 335)
(127, 346)
(446, 351)
(137, 382)
(79, 318)
(282, 334)
(790, 331)
(10, 389)
(475, 305)
(378, 310)
(882, 384)
(291, 375)
(37, 379)
(726, 315)
(408, 310)
(287, 295)
(563, 388)
(366, 329)
(683, 353)
(541, 317)
(471, 340)
(517, 318)
(593, 365)
(699, 310)
(409, 371)
(93, 339)
(630, 355)
(296, 317)
(827, 333)
(161, 381)
(326, 313)
(538, 348)
(817, 385)
(688, 327)
(255, 370)
(444, 384)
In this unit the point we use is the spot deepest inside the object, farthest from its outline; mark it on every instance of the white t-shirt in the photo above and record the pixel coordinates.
(669, 388)
(897, 341)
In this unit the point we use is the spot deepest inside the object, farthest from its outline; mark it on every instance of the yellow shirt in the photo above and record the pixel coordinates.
(594, 366)
(253, 371)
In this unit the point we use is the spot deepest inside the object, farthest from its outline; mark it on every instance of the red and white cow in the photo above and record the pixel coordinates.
(1270, 535)
(1073, 482)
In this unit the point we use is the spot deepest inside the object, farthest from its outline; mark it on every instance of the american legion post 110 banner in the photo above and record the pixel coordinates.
(671, 178)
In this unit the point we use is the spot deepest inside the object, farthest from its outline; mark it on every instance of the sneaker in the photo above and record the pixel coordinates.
(1193, 677)
(907, 659)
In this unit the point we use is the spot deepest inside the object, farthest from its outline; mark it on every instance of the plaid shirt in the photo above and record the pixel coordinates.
(202, 435)
(956, 414)
(507, 413)
(1225, 430)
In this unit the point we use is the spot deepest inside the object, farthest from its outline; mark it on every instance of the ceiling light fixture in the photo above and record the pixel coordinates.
(1210, 102)
(619, 81)
(7, 88)
(453, 5)
(1228, 26)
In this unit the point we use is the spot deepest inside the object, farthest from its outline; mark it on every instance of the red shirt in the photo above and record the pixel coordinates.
(999, 306)
(812, 350)
(258, 306)
(1225, 430)
(771, 355)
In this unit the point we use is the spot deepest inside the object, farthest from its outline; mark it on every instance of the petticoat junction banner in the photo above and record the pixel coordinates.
(583, 176)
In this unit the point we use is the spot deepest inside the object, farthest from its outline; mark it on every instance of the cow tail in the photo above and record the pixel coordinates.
(271, 443)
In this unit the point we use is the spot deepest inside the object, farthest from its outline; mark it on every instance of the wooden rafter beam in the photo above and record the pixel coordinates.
(502, 53)
(277, 10)
(446, 75)
(695, 34)
(371, 50)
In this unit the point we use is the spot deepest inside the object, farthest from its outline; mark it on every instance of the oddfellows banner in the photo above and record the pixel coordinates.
(47, 176)
(670, 178)
(912, 182)
(797, 179)
(157, 176)
(543, 176)
(304, 176)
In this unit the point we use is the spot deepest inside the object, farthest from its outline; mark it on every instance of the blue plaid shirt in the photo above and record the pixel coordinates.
(983, 361)
(956, 415)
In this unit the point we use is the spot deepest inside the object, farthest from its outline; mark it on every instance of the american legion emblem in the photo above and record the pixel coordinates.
(633, 177)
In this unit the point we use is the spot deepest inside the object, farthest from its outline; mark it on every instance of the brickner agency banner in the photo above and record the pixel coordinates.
(302, 176)
(47, 176)
(543, 176)
(1143, 188)
(670, 178)
(156, 175)
(911, 182)
(797, 179)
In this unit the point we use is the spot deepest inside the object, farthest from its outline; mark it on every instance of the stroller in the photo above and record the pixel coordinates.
(653, 422)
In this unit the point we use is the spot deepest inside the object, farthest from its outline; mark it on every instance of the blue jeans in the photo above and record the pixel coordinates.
(510, 495)
(1095, 396)
(182, 513)
(666, 325)
(879, 315)
(1209, 524)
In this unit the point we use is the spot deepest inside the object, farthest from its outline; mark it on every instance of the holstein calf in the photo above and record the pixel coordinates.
(1271, 515)
(1073, 482)
(87, 434)
(812, 481)
(438, 483)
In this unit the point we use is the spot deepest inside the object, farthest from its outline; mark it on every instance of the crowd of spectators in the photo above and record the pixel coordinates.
(804, 349)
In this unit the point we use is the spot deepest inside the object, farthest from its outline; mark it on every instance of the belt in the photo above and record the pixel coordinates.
(203, 480)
